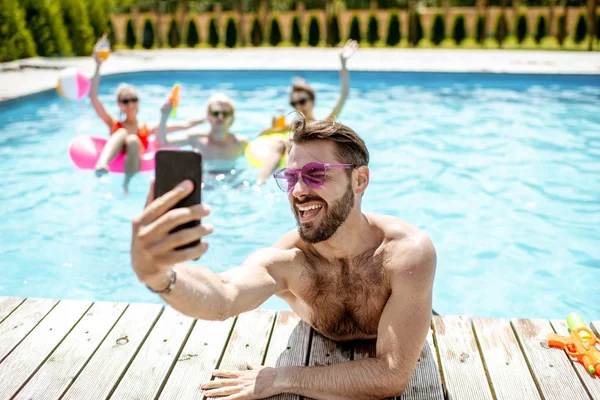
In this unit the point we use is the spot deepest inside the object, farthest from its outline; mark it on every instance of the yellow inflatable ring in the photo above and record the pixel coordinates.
(257, 150)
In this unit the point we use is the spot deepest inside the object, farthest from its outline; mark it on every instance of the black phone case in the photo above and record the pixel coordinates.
(172, 168)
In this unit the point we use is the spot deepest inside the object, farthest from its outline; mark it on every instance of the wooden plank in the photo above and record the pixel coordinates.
(8, 304)
(462, 368)
(107, 365)
(366, 349)
(57, 373)
(146, 375)
(551, 369)
(37, 346)
(288, 345)
(18, 324)
(507, 369)
(249, 339)
(592, 383)
(324, 351)
(198, 359)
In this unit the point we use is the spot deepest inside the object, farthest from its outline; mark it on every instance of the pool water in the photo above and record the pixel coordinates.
(502, 171)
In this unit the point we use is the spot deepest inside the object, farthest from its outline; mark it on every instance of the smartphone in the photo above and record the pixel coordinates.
(172, 168)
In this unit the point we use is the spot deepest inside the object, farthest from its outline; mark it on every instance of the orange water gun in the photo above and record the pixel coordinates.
(174, 98)
(580, 345)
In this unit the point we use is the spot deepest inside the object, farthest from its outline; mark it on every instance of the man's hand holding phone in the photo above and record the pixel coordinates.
(154, 249)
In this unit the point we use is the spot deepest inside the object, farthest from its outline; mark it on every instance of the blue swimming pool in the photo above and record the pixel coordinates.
(502, 171)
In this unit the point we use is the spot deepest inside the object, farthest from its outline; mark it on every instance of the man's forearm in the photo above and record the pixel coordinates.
(198, 292)
(370, 378)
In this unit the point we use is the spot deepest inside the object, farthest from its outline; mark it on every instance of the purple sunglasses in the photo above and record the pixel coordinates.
(313, 175)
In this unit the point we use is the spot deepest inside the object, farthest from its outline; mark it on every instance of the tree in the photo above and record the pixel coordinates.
(333, 28)
(231, 33)
(44, 20)
(99, 14)
(501, 29)
(580, 29)
(130, 38)
(148, 36)
(296, 32)
(561, 29)
(15, 40)
(111, 33)
(78, 26)
(355, 29)
(416, 27)
(438, 30)
(480, 29)
(314, 33)
(540, 32)
(256, 34)
(394, 35)
(213, 33)
(192, 34)
(373, 30)
(459, 32)
(521, 28)
(174, 35)
(275, 34)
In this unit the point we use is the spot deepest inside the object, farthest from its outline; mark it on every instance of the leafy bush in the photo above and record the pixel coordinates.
(394, 35)
(355, 29)
(438, 30)
(296, 32)
(540, 32)
(521, 28)
(99, 14)
(314, 33)
(111, 32)
(598, 27)
(256, 34)
(15, 40)
(373, 30)
(130, 38)
(580, 29)
(459, 32)
(44, 20)
(192, 34)
(213, 33)
(148, 36)
(480, 29)
(275, 34)
(333, 27)
(561, 29)
(78, 26)
(501, 29)
(230, 33)
(174, 35)
(415, 34)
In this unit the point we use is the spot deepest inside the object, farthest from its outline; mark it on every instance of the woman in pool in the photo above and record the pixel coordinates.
(302, 99)
(128, 135)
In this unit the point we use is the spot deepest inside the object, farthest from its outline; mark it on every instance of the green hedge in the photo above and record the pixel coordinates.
(99, 14)
(15, 40)
(561, 29)
(174, 35)
(111, 32)
(78, 26)
(314, 33)
(213, 33)
(438, 29)
(394, 35)
(231, 33)
(275, 33)
(192, 38)
(355, 29)
(501, 29)
(333, 27)
(541, 30)
(415, 20)
(598, 27)
(521, 28)
(296, 32)
(480, 29)
(130, 37)
(256, 34)
(148, 36)
(44, 20)
(372, 30)
(581, 29)
(459, 31)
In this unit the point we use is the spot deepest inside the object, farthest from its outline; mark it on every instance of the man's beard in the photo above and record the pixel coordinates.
(334, 217)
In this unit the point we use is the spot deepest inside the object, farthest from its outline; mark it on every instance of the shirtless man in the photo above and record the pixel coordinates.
(349, 274)
(219, 147)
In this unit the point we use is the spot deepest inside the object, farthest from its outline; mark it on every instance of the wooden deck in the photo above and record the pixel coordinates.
(71, 349)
